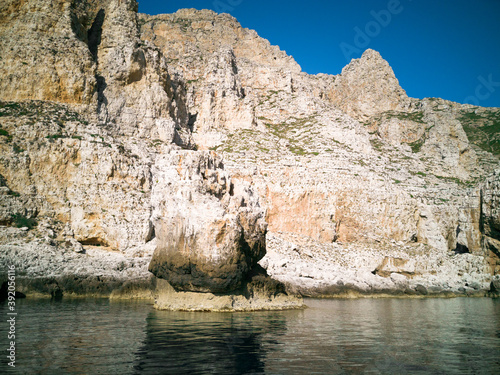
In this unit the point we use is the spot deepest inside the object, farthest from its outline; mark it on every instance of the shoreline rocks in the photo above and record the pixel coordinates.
(57, 272)
(259, 292)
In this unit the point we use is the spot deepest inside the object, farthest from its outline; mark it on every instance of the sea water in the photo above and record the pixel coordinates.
(363, 336)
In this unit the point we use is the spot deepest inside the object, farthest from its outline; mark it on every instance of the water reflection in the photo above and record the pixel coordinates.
(391, 336)
(79, 336)
(218, 343)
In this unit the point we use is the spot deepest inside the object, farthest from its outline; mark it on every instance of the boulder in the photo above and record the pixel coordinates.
(210, 232)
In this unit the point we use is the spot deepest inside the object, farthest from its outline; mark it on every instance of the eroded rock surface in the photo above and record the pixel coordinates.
(180, 137)
(210, 231)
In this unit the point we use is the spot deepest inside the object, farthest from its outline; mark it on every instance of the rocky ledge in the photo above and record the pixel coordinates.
(259, 292)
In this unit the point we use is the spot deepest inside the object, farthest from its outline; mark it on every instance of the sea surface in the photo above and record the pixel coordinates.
(364, 336)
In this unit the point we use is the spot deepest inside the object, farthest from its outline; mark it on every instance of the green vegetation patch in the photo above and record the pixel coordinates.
(377, 144)
(37, 110)
(5, 133)
(412, 116)
(416, 146)
(22, 221)
(297, 150)
(417, 117)
(296, 131)
(451, 179)
(403, 116)
(17, 149)
(483, 129)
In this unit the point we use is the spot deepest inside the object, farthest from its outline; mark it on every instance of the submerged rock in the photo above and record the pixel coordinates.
(259, 292)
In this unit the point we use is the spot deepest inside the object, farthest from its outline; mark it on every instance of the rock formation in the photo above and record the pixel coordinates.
(188, 146)
(211, 233)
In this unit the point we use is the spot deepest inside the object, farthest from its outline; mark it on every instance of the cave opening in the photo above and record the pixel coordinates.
(461, 249)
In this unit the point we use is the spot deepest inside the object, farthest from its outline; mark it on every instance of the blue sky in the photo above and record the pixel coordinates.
(447, 48)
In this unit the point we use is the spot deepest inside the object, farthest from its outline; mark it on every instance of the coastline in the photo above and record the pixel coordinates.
(46, 270)
(145, 290)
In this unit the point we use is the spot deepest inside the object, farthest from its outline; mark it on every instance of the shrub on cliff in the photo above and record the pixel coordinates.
(21, 221)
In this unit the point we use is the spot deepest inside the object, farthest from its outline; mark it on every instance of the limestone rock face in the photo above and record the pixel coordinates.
(134, 86)
(368, 90)
(77, 173)
(209, 32)
(222, 106)
(44, 54)
(490, 218)
(210, 231)
(93, 171)
(367, 86)
(356, 269)
(342, 158)
(89, 53)
(221, 65)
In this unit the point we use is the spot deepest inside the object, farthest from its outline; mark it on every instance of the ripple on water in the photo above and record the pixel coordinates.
(375, 336)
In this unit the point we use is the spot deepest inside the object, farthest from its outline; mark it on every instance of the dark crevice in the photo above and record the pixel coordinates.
(151, 232)
(192, 120)
(94, 33)
(78, 29)
(139, 60)
(101, 98)
(461, 249)
(481, 214)
(494, 250)
(492, 231)
(94, 241)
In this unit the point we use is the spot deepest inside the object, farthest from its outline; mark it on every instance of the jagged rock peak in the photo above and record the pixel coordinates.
(370, 58)
(368, 86)
(372, 66)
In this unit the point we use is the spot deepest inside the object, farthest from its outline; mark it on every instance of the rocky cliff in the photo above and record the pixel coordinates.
(189, 146)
